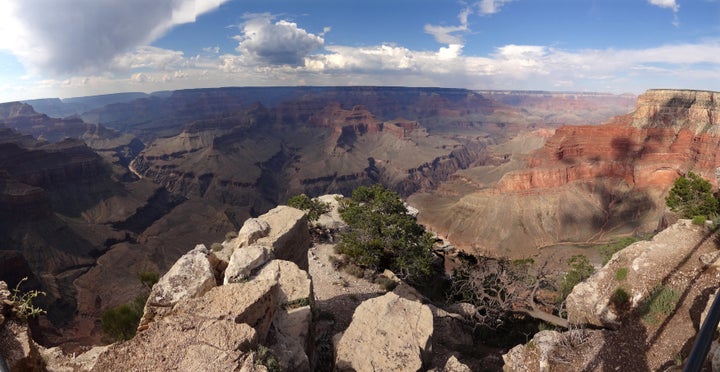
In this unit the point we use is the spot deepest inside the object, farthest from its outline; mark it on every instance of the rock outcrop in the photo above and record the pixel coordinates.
(190, 277)
(387, 333)
(647, 265)
(191, 323)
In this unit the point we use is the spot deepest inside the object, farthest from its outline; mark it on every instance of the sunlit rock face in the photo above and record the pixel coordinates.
(590, 181)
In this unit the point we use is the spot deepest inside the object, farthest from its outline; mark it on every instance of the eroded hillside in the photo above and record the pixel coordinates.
(587, 183)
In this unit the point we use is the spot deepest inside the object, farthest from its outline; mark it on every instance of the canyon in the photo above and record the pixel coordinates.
(127, 184)
(585, 184)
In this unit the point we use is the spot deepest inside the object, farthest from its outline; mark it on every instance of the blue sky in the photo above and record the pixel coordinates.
(66, 48)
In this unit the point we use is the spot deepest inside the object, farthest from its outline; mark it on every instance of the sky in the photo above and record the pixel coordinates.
(71, 48)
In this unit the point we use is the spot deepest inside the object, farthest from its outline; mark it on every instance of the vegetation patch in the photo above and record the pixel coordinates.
(381, 235)
(265, 357)
(659, 304)
(621, 273)
(22, 302)
(120, 323)
(300, 302)
(620, 298)
(608, 250)
(313, 208)
(386, 283)
(580, 269)
(691, 196)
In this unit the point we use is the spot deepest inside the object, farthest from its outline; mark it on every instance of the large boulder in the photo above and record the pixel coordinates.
(17, 347)
(647, 264)
(244, 260)
(331, 220)
(387, 333)
(291, 331)
(191, 276)
(289, 238)
(215, 332)
(251, 230)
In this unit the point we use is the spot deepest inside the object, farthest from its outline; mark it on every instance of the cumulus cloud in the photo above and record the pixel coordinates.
(70, 36)
(670, 4)
(493, 6)
(276, 43)
(449, 34)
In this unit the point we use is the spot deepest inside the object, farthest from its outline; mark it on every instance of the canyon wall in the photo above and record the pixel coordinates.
(588, 183)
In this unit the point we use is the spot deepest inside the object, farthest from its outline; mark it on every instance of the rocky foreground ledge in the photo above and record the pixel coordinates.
(668, 284)
(250, 306)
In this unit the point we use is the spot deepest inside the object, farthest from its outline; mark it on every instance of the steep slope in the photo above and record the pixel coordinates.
(587, 182)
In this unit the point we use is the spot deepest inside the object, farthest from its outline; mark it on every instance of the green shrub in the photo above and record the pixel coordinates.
(621, 273)
(659, 304)
(313, 208)
(691, 196)
(149, 278)
(22, 305)
(216, 247)
(120, 323)
(699, 220)
(265, 357)
(619, 298)
(381, 235)
(580, 269)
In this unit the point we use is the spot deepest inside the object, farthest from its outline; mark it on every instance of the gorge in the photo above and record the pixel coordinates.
(145, 178)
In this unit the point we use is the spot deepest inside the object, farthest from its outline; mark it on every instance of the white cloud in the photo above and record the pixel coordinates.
(493, 6)
(278, 43)
(448, 34)
(62, 37)
(670, 4)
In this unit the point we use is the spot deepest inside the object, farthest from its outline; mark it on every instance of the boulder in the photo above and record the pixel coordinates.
(57, 361)
(191, 276)
(244, 260)
(215, 332)
(332, 219)
(647, 264)
(252, 230)
(289, 238)
(253, 302)
(292, 325)
(454, 365)
(387, 333)
(17, 347)
(535, 356)
(182, 342)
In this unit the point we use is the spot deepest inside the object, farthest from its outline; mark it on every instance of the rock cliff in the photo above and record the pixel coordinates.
(590, 182)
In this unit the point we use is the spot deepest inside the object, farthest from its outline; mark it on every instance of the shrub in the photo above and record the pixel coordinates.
(313, 208)
(216, 247)
(149, 278)
(354, 270)
(660, 303)
(265, 357)
(621, 273)
(619, 298)
(691, 196)
(22, 304)
(386, 283)
(120, 323)
(699, 220)
(381, 235)
(580, 269)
